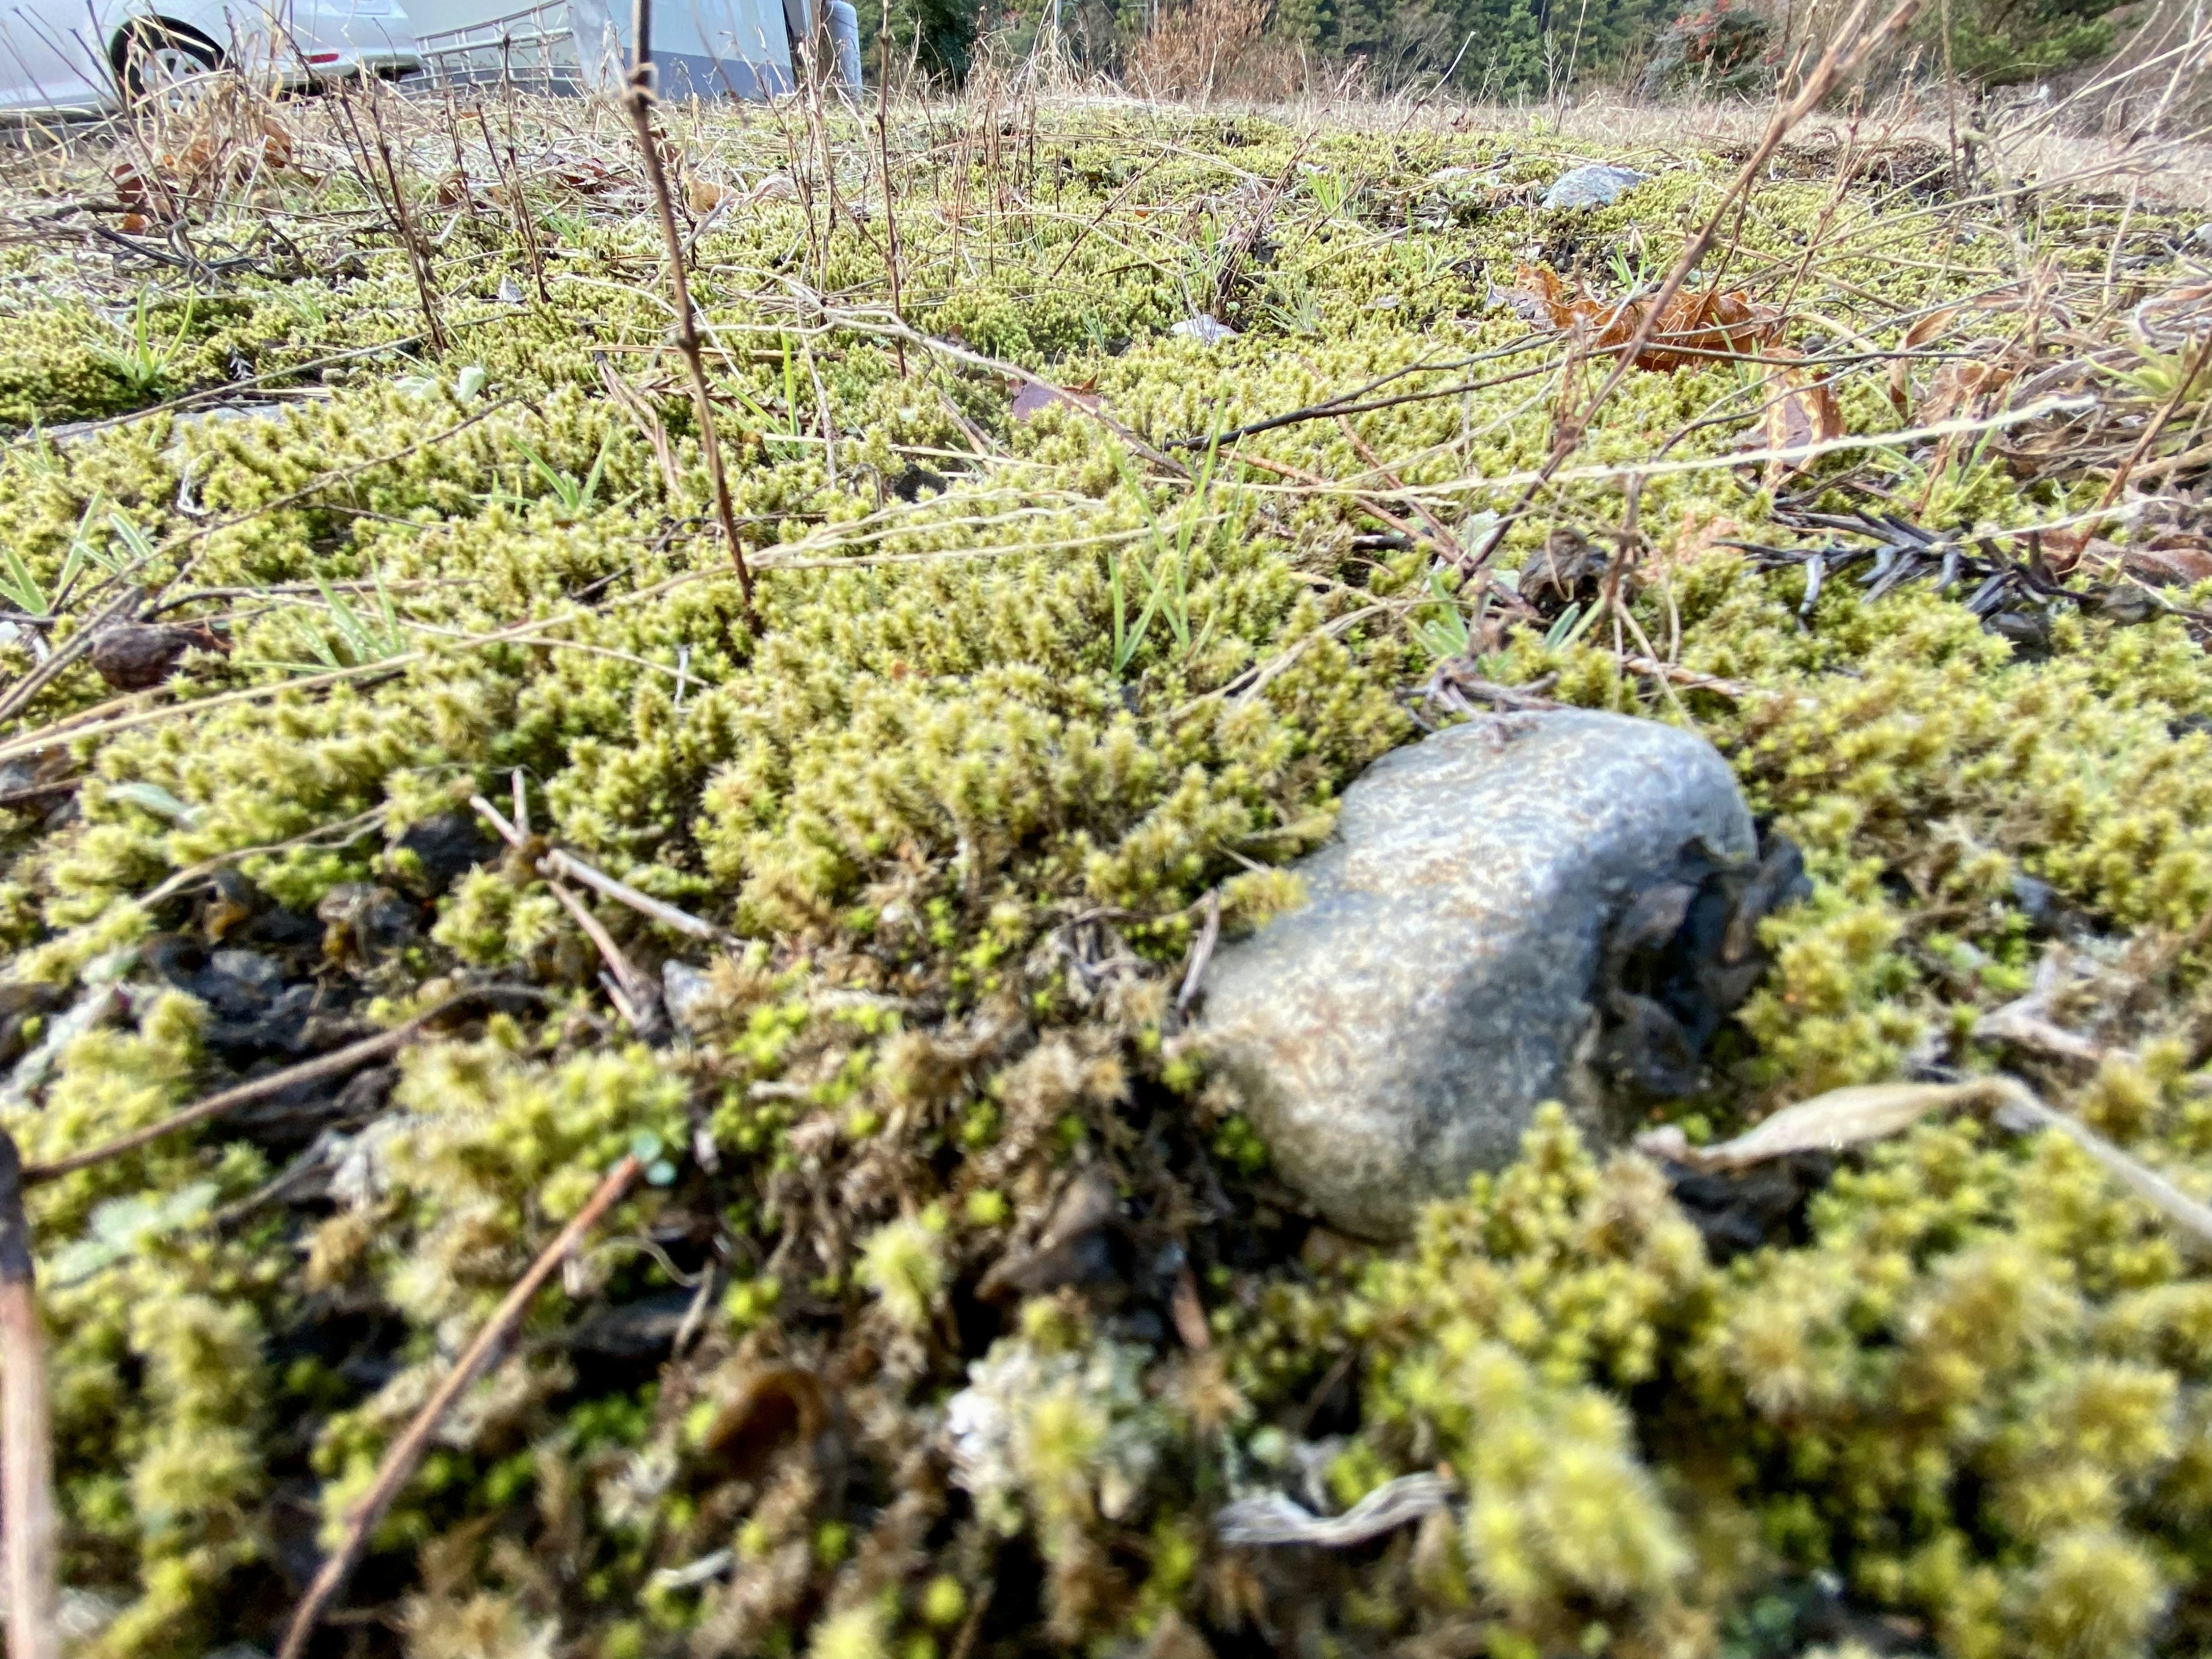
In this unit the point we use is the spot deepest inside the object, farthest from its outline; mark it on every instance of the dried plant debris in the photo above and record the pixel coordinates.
(407, 824)
(1694, 327)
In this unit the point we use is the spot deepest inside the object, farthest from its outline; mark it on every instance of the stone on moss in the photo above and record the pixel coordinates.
(1397, 1033)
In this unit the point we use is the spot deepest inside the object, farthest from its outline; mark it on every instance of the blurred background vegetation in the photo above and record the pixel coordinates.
(1501, 51)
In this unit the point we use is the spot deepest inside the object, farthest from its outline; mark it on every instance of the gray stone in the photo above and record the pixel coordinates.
(1398, 1031)
(1206, 331)
(1597, 185)
(690, 997)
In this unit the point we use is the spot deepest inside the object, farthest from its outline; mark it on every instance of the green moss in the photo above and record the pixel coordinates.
(963, 786)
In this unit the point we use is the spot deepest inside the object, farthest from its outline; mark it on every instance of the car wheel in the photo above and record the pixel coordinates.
(162, 61)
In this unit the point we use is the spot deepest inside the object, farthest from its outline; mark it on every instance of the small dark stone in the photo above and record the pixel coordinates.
(35, 782)
(1798, 1617)
(1751, 1208)
(1566, 570)
(1077, 1246)
(136, 656)
(2028, 631)
(908, 485)
(444, 849)
(254, 1012)
(2047, 914)
(366, 920)
(1683, 955)
(2124, 605)
(2038, 901)
(288, 1122)
(19, 1003)
(366, 1092)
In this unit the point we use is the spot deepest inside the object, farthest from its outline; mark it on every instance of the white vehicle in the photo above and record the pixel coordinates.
(701, 48)
(66, 57)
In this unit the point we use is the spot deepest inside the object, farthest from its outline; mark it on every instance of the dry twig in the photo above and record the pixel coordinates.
(639, 101)
(406, 1452)
(26, 1452)
(333, 1064)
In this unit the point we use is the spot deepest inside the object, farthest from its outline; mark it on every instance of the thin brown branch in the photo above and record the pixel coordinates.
(27, 1451)
(639, 102)
(552, 863)
(19, 696)
(406, 1453)
(336, 1063)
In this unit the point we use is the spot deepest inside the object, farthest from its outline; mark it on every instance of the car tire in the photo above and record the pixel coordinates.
(152, 54)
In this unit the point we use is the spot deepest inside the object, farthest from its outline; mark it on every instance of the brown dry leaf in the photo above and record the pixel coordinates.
(208, 163)
(1189, 1313)
(587, 177)
(2174, 561)
(451, 189)
(1958, 384)
(1696, 325)
(1801, 411)
(275, 146)
(1901, 368)
(772, 1408)
(193, 165)
(704, 196)
(1692, 328)
(1700, 533)
(2064, 549)
(129, 185)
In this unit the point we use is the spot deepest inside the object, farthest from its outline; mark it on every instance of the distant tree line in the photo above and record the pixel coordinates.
(1501, 50)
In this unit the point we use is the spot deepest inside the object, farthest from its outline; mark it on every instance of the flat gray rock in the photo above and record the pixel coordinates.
(1398, 1031)
(1599, 183)
(1206, 331)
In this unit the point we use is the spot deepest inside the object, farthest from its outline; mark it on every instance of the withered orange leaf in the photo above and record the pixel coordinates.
(1692, 328)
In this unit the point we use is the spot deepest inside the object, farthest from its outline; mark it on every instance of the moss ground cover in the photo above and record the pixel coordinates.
(1036, 680)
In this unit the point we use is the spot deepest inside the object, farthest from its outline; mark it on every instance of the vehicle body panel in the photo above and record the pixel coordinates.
(701, 48)
(60, 57)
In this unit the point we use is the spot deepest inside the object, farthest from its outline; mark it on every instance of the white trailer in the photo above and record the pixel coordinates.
(701, 48)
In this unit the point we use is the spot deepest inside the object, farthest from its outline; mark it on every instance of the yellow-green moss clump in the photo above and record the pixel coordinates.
(955, 1300)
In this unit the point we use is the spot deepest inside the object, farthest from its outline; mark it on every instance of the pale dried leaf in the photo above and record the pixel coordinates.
(2027, 1023)
(1851, 1117)
(1272, 1518)
(1828, 1123)
(1801, 413)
